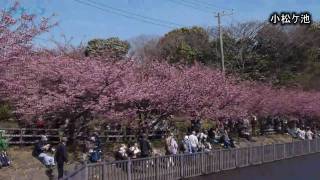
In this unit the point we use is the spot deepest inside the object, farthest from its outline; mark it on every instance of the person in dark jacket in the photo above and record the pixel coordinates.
(145, 146)
(38, 149)
(97, 141)
(61, 156)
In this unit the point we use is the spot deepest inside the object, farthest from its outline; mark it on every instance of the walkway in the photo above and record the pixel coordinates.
(299, 168)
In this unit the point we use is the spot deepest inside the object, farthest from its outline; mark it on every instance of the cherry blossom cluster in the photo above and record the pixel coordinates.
(55, 86)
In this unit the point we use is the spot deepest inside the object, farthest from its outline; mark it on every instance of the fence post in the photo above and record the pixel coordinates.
(86, 173)
(284, 151)
(248, 154)
(104, 171)
(237, 154)
(274, 152)
(202, 163)
(21, 135)
(157, 159)
(262, 152)
(293, 149)
(181, 165)
(221, 160)
(129, 169)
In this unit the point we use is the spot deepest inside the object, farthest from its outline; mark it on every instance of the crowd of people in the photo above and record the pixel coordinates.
(302, 133)
(200, 140)
(141, 149)
(196, 140)
(56, 157)
(191, 143)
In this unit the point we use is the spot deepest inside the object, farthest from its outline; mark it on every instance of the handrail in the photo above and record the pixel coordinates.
(191, 165)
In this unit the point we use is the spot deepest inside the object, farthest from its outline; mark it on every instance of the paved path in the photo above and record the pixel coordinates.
(299, 168)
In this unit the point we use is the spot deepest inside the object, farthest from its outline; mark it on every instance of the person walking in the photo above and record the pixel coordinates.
(186, 145)
(168, 144)
(309, 134)
(173, 148)
(194, 142)
(145, 146)
(146, 149)
(61, 156)
(171, 145)
(226, 139)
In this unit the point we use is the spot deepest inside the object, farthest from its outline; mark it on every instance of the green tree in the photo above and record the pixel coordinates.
(5, 112)
(111, 48)
(299, 56)
(268, 53)
(187, 45)
(308, 38)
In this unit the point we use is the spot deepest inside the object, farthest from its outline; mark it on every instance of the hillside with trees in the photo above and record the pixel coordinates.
(256, 51)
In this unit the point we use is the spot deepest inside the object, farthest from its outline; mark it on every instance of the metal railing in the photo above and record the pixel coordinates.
(190, 165)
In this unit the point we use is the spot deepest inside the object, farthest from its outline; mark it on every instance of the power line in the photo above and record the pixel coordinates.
(211, 5)
(134, 14)
(200, 5)
(122, 14)
(196, 7)
(196, 4)
(129, 15)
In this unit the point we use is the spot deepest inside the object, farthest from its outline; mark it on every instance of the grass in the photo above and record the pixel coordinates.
(158, 144)
(26, 167)
(9, 124)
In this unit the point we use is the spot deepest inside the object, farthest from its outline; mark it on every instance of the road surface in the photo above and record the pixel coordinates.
(299, 168)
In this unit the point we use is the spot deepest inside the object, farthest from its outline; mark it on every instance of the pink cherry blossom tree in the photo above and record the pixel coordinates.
(56, 86)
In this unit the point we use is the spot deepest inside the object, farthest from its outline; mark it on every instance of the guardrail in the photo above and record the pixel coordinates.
(191, 165)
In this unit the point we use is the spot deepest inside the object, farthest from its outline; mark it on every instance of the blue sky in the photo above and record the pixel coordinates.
(82, 22)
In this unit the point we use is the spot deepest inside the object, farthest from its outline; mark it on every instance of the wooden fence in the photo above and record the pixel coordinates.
(31, 135)
(191, 165)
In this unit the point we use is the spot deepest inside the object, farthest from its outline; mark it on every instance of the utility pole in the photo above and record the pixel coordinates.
(218, 16)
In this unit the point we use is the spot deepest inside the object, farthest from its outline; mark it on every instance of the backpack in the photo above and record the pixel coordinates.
(95, 156)
(4, 159)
